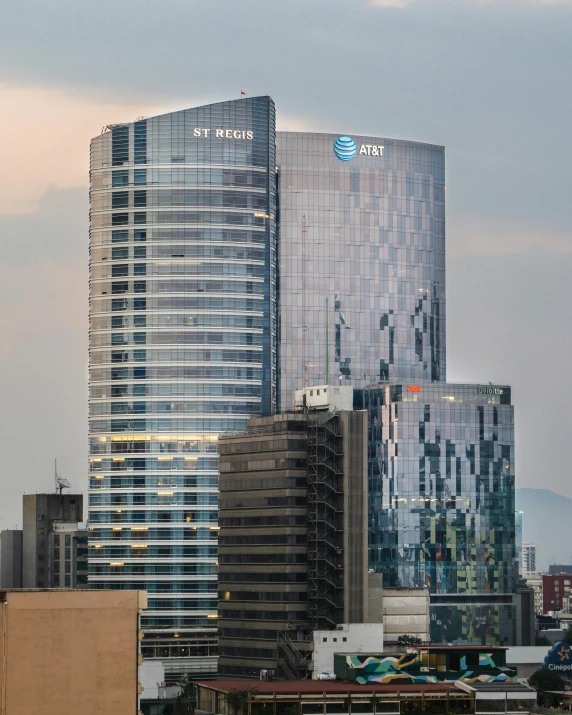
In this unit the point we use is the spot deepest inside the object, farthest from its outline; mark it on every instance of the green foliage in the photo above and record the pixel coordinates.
(238, 700)
(568, 636)
(542, 640)
(545, 679)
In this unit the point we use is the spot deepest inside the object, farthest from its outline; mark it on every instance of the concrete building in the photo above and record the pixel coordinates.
(11, 558)
(42, 512)
(405, 613)
(293, 537)
(529, 563)
(555, 587)
(68, 549)
(66, 652)
(347, 637)
(535, 582)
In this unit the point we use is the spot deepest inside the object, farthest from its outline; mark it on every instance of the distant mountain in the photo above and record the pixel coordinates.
(546, 522)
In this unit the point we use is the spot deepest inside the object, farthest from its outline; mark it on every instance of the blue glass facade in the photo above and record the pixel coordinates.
(362, 261)
(441, 502)
(182, 347)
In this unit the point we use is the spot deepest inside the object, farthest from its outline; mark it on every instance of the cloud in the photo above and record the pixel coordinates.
(44, 141)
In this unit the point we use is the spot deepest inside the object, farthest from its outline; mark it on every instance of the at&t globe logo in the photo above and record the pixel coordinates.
(345, 148)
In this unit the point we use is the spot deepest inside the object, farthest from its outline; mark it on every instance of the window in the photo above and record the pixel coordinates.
(119, 236)
(140, 252)
(140, 176)
(140, 269)
(140, 321)
(120, 178)
(120, 287)
(139, 303)
(121, 269)
(139, 198)
(139, 338)
(122, 252)
(140, 217)
(140, 235)
(140, 355)
(140, 286)
(119, 219)
(119, 145)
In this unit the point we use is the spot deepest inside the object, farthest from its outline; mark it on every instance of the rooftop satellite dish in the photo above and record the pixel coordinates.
(61, 483)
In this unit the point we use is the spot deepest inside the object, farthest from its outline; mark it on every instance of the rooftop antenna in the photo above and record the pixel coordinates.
(61, 483)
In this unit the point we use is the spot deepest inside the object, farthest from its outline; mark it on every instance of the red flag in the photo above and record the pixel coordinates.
(242, 94)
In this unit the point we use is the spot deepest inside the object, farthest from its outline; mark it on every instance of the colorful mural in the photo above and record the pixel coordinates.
(423, 667)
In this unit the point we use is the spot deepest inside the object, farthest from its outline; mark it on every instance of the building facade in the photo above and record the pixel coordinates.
(182, 348)
(66, 652)
(11, 558)
(441, 502)
(362, 261)
(529, 564)
(43, 514)
(555, 588)
(293, 538)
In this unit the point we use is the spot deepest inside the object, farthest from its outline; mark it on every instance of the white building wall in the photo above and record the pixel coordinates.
(151, 675)
(346, 638)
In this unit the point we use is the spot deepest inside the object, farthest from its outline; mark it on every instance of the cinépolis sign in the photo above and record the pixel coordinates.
(223, 133)
(559, 659)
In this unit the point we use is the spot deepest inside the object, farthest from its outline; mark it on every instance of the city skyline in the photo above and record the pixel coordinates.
(509, 246)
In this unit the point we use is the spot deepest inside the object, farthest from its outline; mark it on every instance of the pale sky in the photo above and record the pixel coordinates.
(489, 79)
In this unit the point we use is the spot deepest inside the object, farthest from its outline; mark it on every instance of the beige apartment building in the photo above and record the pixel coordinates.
(69, 652)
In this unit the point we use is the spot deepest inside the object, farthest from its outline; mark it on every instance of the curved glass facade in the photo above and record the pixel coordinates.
(182, 346)
(362, 228)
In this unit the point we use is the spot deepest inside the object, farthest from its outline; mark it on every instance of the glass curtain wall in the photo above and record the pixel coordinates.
(182, 348)
(362, 261)
(441, 502)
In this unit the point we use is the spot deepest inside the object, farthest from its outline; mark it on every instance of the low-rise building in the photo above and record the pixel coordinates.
(228, 697)
(66, 652)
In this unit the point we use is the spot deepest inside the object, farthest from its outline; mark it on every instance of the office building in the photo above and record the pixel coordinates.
(69, 556)
(441, 502)
(362, 261)
(11, 558)
(518, 518)
(182, 348)
(529, 565)
(293, 538)
(66, 652)
(45, 516)
(535, 583)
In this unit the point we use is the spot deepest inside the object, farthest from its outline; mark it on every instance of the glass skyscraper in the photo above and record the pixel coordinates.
(183, 347)
(362, 261)
(441, 502)
(362, 303)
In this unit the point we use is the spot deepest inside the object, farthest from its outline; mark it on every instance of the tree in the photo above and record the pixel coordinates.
(568, 636)
(545, 679)
(238, 700)
(542, 640)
